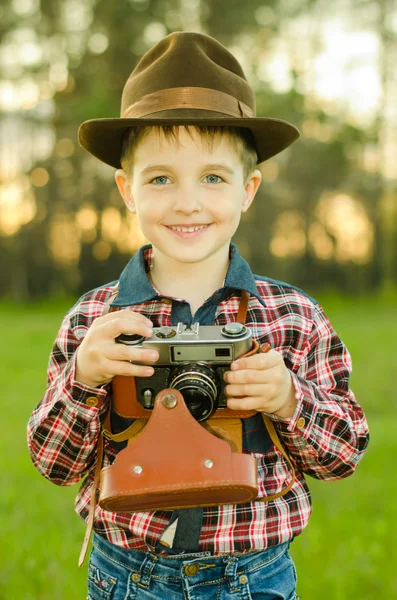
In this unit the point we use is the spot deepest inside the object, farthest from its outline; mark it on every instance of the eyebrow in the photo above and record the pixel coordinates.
(151, 168)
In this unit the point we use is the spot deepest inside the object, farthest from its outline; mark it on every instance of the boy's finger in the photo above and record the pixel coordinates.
(256, 361)
(129, 369)
(131, 353)
(129, 315)
(254, 403)
(115, 327)
(245, 376)
(248, 390)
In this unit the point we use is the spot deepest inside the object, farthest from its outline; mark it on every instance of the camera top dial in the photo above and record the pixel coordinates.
(165, 332)
(233, 330)
(130, 339)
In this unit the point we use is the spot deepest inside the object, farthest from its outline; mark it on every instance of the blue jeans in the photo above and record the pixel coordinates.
(118, 574)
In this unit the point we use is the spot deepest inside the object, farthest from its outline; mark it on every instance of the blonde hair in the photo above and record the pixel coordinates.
(240, 138)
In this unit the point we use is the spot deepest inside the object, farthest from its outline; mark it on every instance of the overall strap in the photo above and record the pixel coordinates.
(99, 459)
(91, 512)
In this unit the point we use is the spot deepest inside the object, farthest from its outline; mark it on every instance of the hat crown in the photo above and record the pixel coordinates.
(187, 78)
(187, 60)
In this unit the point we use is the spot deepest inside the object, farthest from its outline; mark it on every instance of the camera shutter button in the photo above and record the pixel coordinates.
(233, 329)
(165, 332)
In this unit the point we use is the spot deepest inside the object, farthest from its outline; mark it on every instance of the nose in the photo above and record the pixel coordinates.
(187, 202)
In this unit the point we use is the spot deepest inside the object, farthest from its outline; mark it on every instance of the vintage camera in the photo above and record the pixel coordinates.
(192, 360)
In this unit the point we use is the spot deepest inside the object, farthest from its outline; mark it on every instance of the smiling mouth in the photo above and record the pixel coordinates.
(187, 229)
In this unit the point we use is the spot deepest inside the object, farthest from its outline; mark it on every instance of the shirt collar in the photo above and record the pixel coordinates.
(135, 287)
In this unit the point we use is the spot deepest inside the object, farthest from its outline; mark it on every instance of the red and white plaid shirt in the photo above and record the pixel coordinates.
(325, 438)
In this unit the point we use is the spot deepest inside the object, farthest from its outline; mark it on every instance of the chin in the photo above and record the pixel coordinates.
(189, 258)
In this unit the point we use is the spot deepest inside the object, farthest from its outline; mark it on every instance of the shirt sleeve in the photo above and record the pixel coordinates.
(63, 428)
(328, 433)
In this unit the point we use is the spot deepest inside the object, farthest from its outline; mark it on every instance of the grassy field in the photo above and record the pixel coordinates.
(348, 551)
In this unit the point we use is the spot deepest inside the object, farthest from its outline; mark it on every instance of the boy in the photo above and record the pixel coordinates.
(188, 187)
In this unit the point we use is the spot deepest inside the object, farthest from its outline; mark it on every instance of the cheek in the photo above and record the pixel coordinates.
(143, 221)
(234, 216)
(228, 212)
(148, 214)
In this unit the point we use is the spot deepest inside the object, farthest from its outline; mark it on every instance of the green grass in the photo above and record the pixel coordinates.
(348, 550)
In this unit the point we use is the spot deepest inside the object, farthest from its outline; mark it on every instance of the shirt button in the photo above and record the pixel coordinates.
(191, 570)
(166, 301)
(92, 401)
(301, 423)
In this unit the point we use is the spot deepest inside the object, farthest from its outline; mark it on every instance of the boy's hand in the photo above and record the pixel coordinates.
(100, 358)
(261, 382)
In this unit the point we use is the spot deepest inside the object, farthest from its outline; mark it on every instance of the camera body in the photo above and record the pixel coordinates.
(192, 359)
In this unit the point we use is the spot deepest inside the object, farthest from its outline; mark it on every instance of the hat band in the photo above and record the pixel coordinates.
(188, 97)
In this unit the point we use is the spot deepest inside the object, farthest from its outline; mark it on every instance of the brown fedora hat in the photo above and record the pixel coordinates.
(187, 78)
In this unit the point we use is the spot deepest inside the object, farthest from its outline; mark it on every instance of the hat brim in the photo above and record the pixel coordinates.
(103, 137)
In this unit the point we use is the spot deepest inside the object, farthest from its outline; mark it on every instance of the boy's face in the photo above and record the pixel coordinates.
(186, 209)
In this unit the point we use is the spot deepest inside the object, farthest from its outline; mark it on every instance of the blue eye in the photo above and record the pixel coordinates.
(159, 177)
(217, 176)
(164, 177)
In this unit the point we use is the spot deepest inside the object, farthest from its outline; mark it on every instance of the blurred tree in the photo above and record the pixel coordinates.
(64, 228)
(385, 210)
(325, 157)
(88, 51)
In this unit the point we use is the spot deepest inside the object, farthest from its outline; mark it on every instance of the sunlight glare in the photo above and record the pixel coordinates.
(289, 239)
(17, 205)
(345, 218)
(64, 240)
(110, 224)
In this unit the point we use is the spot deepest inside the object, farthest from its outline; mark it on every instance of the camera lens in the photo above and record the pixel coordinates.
(198, 384)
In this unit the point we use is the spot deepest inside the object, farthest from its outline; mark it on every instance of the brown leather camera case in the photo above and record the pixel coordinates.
(174, 462)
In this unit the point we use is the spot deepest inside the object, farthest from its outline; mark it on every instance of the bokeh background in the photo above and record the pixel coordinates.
(324, 219)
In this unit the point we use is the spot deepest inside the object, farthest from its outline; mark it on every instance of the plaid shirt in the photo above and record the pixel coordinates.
(325, 438)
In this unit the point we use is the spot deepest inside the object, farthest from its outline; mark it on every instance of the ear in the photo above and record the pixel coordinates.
(251, 187)
(124, 185)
